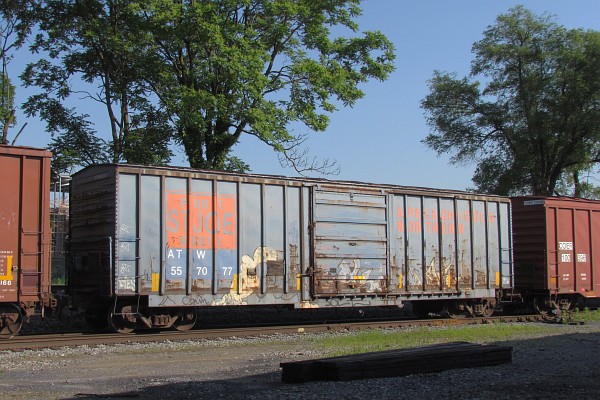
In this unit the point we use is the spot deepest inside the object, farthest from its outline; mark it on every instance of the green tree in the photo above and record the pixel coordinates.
(535, 121)
(7, 106)
(202, 72)
(15, 25)
(224, 68)
(90, 59)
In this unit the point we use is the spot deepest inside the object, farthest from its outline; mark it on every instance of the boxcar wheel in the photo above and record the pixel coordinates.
(122, 319)
(488, 306)
(186, 319)
(11, 320)
(456, 309)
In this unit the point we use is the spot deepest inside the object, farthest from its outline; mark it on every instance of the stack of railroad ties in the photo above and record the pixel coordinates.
(399, 362)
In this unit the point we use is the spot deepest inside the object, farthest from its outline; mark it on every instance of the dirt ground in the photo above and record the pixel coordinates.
(563, 365)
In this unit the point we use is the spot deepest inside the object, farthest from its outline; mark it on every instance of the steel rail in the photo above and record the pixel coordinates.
(29, 342)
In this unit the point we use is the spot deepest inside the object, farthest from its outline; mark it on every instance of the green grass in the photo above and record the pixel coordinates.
(58, 281)
(585, 315)
(379, 340)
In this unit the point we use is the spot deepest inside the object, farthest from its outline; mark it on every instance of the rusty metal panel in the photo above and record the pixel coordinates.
(555, 245)
(187, 237)
(25, 224)
(350, 239)
(444, 244)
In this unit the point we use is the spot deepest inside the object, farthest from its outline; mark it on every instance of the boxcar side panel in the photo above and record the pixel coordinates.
(449, 246)
(9, 226)
(194, 238)
(25, 225)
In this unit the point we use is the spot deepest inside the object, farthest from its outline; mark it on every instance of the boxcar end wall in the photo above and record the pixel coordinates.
(557, 247)
(24, 228)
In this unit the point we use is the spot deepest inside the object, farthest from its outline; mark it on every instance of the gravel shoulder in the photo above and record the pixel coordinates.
(560, 365)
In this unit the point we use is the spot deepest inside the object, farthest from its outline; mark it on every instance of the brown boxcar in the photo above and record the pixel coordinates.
(148, 244)
(24, 235)
(556, 250)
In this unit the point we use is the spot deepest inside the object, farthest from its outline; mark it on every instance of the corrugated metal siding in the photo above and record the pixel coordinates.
(25, 224)
(185, 237)
(450, 245)
(529, 244)
(192, 238)
(350, 234)
(92, 228)
(556, 245)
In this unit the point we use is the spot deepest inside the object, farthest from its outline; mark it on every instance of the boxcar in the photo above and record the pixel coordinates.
(24, 235)
(148, 245)
(556, 250)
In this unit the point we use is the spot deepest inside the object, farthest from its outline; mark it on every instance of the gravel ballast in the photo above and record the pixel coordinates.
(560, 365)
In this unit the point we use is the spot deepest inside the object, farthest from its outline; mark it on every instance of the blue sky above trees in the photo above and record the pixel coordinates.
(379, 140)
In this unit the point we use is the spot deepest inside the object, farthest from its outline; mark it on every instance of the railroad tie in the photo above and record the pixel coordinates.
(382, 364)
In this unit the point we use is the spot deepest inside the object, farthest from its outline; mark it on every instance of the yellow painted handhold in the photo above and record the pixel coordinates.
(234, 286)
(9, 266)
(155, 281)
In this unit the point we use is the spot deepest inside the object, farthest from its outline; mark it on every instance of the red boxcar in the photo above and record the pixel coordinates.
(556, 249)
(25, 235)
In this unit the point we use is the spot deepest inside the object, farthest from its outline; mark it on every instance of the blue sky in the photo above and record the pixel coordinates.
(379, 139)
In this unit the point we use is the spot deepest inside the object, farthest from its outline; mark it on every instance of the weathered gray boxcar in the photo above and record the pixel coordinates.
(24, 235)
(149, 244)
(556, 250)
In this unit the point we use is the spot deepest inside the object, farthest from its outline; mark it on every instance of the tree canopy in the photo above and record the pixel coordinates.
(532, 125)
(227, 68)
(199, 73)
(15, 25)
(92, 60)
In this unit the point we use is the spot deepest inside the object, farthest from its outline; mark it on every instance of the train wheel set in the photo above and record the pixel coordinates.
(11, 320)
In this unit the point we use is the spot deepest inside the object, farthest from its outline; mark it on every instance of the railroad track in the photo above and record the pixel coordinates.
(27, 342)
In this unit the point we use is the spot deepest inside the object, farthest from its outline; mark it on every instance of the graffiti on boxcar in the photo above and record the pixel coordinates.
(250, 278)
(124, 228)
(227, 299)
(125, 247)
(126, 283)
(433, 278)
(206, 225)
(353, 273)
(446, 222)
(203, 226)
(352, 276)
(349, 302)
